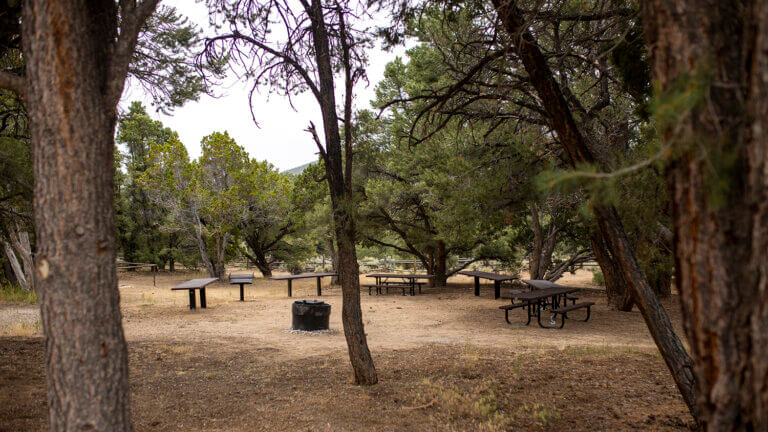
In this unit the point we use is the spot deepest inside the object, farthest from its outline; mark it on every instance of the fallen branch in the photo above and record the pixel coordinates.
(420, 406)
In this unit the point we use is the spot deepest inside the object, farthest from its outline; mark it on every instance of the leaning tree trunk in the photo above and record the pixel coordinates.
(575, 144)
(9, 273)
(261, 262)
(68, 49)
(717, 52)
(18, 272)
(259, 258)
(22, 246)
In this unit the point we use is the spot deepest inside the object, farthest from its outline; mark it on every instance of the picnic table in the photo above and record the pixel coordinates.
(195, 284)
(290, 279)
(497, 279)
(553, 297)
(409, 280)
(241, 279)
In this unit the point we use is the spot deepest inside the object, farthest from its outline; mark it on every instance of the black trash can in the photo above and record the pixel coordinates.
(310, 315)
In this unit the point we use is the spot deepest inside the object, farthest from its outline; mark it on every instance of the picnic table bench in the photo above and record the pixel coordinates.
(497, 279)
(555, 297)
(195, 284)
(406, 281)
(387, 286)
(241, 279)
(290, 279)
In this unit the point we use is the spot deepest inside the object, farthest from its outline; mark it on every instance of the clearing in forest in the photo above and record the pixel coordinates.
(447, 361)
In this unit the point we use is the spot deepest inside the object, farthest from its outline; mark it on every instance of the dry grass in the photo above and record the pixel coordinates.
(446, 361)
(16, 295)
(433, 388)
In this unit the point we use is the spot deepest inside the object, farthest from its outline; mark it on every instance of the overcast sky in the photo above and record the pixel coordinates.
(280, 137)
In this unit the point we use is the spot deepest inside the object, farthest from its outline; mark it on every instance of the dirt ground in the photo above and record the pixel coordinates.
(447, 361)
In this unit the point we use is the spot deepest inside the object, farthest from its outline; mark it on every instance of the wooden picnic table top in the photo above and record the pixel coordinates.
(195, 283)
(302, 276)
(543, 293)
(488, 275)
(400, 275)
(542, 284)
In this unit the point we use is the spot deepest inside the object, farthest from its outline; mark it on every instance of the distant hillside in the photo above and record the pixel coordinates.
(297, 170)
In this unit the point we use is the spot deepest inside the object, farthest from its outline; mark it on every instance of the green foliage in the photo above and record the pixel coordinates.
(630, 58)
(14, 294)
(460, 187)
(140, 221)
(598, 278)
(163, 61)
(311, 214)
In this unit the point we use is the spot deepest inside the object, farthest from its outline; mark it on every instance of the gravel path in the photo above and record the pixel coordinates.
(14, 316)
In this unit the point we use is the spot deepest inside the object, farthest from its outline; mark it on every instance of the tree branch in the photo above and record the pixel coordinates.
(133, 18)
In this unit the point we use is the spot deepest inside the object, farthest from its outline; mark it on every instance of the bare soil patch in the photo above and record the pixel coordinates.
(446, 359)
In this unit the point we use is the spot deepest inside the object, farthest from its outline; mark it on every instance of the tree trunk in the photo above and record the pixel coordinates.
(334, 260)
(261, 262)
(543, 246)
(671, 348)
(661, 283)
(68, 49)
(171, 265)
(615, 286)
(18, 273)
(203, 248)
(719, 189)
(259, 258)
(338, 175)
(9, 273)
(20, 242)
(219, 267)
(438, 265)
(538, 244)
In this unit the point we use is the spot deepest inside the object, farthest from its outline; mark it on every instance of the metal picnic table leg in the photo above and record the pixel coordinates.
(319, 288)
(477, 286)
(496, 289)
(242, 293)
(192, 299)
(290, 288)
(202, 298)
(530, 309)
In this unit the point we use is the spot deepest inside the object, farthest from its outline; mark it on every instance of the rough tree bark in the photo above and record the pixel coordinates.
(339, 177)
(18, 272)
(543, 245)
(22, 246)
(616, 291)
(671, 348)
(538, 244)
(334, 260)
(718, 184)
(437, 265)
(76, 65)
(8, 273)
(259, 259)
(203, 249)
